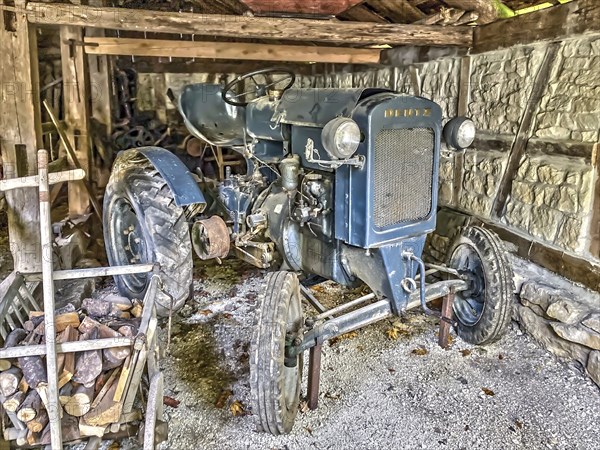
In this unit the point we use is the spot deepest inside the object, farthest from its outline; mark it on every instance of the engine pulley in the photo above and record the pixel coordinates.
(210, 238)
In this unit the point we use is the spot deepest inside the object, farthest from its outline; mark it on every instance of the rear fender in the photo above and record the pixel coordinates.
(184, 187)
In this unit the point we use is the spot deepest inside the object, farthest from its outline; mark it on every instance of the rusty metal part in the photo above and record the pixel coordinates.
(194, 146)
(314, 376)
(210, 238)
(446, 319)
(259, 254)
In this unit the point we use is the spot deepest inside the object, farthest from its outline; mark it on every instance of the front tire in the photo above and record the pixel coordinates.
(276, 387)
(142, 224)
(484, 311)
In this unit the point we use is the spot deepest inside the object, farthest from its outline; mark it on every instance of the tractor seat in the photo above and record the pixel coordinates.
(209, 118)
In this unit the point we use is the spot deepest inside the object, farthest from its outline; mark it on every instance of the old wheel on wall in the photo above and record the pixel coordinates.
(142, 224)
(275, 380)
(484, 311)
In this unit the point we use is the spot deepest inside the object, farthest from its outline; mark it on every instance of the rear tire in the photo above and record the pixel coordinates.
(484, 311)
(142, 224)
(276, 388)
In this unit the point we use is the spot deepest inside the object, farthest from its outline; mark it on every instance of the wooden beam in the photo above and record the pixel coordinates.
(20, 134)
(400, 11)
(76, 97)
(556, 23)
(408, 55)
(313, 7)
(243, 27)
(230, 50)
(151, 64)
(525, 131)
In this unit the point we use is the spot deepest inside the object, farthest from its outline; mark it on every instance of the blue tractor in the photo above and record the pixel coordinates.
(323, 184)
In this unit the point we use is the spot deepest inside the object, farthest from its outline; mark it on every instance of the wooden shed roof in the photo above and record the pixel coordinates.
(442, 12)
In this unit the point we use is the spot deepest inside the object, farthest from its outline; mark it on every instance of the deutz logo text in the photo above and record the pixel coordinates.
(408, 112)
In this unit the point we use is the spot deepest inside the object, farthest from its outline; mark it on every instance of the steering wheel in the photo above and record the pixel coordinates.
(260, 89)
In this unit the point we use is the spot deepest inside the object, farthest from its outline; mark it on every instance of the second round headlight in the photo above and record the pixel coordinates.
(341, 137)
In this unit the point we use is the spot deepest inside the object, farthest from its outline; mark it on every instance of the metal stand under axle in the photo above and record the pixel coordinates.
(378, 311)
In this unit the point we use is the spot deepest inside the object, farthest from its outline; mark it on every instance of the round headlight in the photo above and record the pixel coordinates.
(459, 132)
(341, 137)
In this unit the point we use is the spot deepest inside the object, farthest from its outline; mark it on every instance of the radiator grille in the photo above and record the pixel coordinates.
(403, 175)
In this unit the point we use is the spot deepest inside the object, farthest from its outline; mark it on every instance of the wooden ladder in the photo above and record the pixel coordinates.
(48, 275)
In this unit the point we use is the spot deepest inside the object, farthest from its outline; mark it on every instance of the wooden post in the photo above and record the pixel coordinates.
(20, 133)
(526, 128)
(76, 92)
(464, 98)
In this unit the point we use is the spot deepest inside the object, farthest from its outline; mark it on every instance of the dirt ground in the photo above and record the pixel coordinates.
(377, 391)
(380, 389)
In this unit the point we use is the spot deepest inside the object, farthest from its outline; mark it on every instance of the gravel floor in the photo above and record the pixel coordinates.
(375, 392)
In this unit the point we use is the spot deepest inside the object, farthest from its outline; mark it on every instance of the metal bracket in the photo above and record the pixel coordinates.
(310, 151)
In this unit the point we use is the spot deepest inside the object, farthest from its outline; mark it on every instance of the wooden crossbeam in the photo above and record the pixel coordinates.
(559, 22)
(243, 27)
(229, 50)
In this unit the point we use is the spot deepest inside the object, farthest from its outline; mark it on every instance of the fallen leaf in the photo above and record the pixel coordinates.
(450, 339)
(237, 408)
(222, 400)
(519, 424)
(392, 333)
(343, 337)
(227, 315)
(333, 396)
(420, 351)
(171, 402)
(465, 352)
(391, 370)
(205, 312)
(488, 392)
(309, 429)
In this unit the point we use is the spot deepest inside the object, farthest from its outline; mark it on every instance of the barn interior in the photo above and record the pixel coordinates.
(85, 80)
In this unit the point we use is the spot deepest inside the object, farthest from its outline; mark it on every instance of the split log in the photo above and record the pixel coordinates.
(137, 310)
(23, 385)
(37, 317)
(70, 431)
(80, 401)
(64, 395)
(15, 337)
(105, 388)
(123, 303)
(108, 411)
(4, 365)
(30, 407)
(13, 403)
(14, 434)
(34, 370)
(40, 421)
(128, 330)
(9, 381)
(32, 438)
(86, 430)
(62, 322)
(112, 356)
(89, 364)
(66, 361)
(100, 308)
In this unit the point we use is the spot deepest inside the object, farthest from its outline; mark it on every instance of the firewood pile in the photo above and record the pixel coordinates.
(93, 384)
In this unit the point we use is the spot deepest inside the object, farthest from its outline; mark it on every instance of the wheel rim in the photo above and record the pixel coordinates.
(291, 375)
(469, 304)
(127, 244)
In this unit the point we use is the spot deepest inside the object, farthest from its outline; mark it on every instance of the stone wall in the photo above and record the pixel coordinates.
(567, 325)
